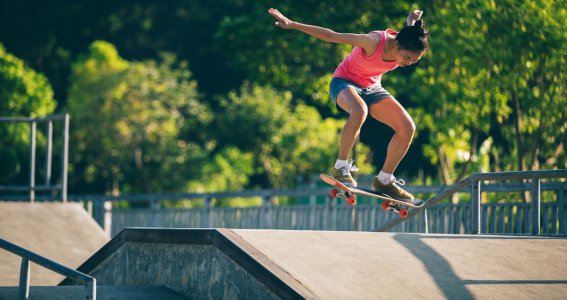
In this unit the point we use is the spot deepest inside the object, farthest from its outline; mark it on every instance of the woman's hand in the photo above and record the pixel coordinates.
(414, 16)
(282, 21)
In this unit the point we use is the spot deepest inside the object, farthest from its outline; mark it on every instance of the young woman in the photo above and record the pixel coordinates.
(356, 89)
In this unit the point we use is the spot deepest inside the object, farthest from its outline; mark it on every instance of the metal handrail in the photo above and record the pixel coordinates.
(32, 187)
(37, 119)
(474, 182)
(27, 256)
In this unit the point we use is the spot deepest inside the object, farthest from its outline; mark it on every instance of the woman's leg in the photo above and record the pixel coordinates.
(390, 112)
(349, 100)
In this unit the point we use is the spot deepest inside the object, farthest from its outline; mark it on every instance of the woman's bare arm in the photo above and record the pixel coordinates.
(368, 42)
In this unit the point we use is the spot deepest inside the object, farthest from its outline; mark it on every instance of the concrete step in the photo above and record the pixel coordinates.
(103, 293)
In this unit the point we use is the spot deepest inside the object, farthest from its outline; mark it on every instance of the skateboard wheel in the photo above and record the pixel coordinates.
(334, 193)
(351, 200)
(385, 205)
(403, 213)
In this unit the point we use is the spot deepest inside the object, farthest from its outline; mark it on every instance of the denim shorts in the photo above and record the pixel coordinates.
(370, 95)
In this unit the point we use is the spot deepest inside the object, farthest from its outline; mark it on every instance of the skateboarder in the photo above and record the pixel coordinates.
(356, 89)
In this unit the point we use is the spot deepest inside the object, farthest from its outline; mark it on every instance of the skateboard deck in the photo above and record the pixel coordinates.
(349, 194)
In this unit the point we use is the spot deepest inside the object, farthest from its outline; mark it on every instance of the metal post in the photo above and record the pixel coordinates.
(425, 224)
(266, 215)
(32, 161)
(90, 290)
(562, 201)
(25, 279)
(326, 212)
(536, 206)
(154, 211)
(206, 215)
(49, 136)
(49, 153)
(312, 205)
(65, 159)
(475, 205)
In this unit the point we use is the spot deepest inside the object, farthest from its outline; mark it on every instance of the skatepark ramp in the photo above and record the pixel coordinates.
(62, 232)
(273, 264)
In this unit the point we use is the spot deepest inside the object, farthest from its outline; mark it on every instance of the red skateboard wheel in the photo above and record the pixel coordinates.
(334, 193)
(385, 205)
(403, 213)
(352, 200)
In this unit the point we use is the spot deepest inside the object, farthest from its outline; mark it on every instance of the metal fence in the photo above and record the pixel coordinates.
(479, 217)
(544, 213)
(33, 187)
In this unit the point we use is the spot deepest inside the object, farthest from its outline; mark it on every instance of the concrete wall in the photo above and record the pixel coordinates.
(195, 271)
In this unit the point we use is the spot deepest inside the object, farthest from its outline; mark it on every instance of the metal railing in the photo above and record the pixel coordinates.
(32, 187)
(27, 256)
(474, 182)
(320, 212)
(329, 214)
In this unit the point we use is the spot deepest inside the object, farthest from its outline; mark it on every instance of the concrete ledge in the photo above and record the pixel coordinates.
(108, 265)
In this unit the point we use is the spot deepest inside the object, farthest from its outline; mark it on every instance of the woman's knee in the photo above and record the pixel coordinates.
(359, 112)
(407, 128)
(351, 103)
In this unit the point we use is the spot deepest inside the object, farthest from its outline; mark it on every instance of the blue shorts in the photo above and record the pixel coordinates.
(370, 95)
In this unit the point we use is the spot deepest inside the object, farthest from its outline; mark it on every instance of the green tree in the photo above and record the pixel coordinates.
(131, 120)
(492, 95)
(23, 93)
(532, 74)
(286, 140)
(489, 96)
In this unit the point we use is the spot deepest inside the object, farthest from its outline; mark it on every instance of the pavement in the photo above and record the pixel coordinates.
(275, 264)
(61, 232)
(361, 265)
(272, 264)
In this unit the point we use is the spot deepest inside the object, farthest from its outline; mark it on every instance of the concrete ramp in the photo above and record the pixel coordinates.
(64, 233)
(271, 264)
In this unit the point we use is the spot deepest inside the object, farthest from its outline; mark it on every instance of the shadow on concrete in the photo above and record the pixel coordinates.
(444, 276)
(441, 272)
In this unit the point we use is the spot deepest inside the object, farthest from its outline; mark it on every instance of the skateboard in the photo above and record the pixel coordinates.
(349, 195)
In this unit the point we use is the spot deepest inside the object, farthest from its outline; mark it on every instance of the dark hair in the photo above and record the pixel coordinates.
(414, 38)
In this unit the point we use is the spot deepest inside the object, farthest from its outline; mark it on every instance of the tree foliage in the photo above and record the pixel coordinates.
(287, 141)
(23, 93)
(492, 94)
(489, 96)
(129, 121)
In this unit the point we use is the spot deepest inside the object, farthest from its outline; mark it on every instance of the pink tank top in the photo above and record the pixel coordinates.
(363, 70)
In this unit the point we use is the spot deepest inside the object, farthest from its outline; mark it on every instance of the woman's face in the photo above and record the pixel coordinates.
(407, 57)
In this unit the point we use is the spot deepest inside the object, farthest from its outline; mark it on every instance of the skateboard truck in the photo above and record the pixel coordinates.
(397, 208)
(350, 198)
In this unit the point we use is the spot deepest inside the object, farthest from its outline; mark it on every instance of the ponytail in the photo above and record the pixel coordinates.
(414, 38)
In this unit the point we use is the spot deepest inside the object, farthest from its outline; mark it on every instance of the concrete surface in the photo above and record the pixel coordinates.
(61, 232)
(103, 293)
(267, 264)
(359, 265)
